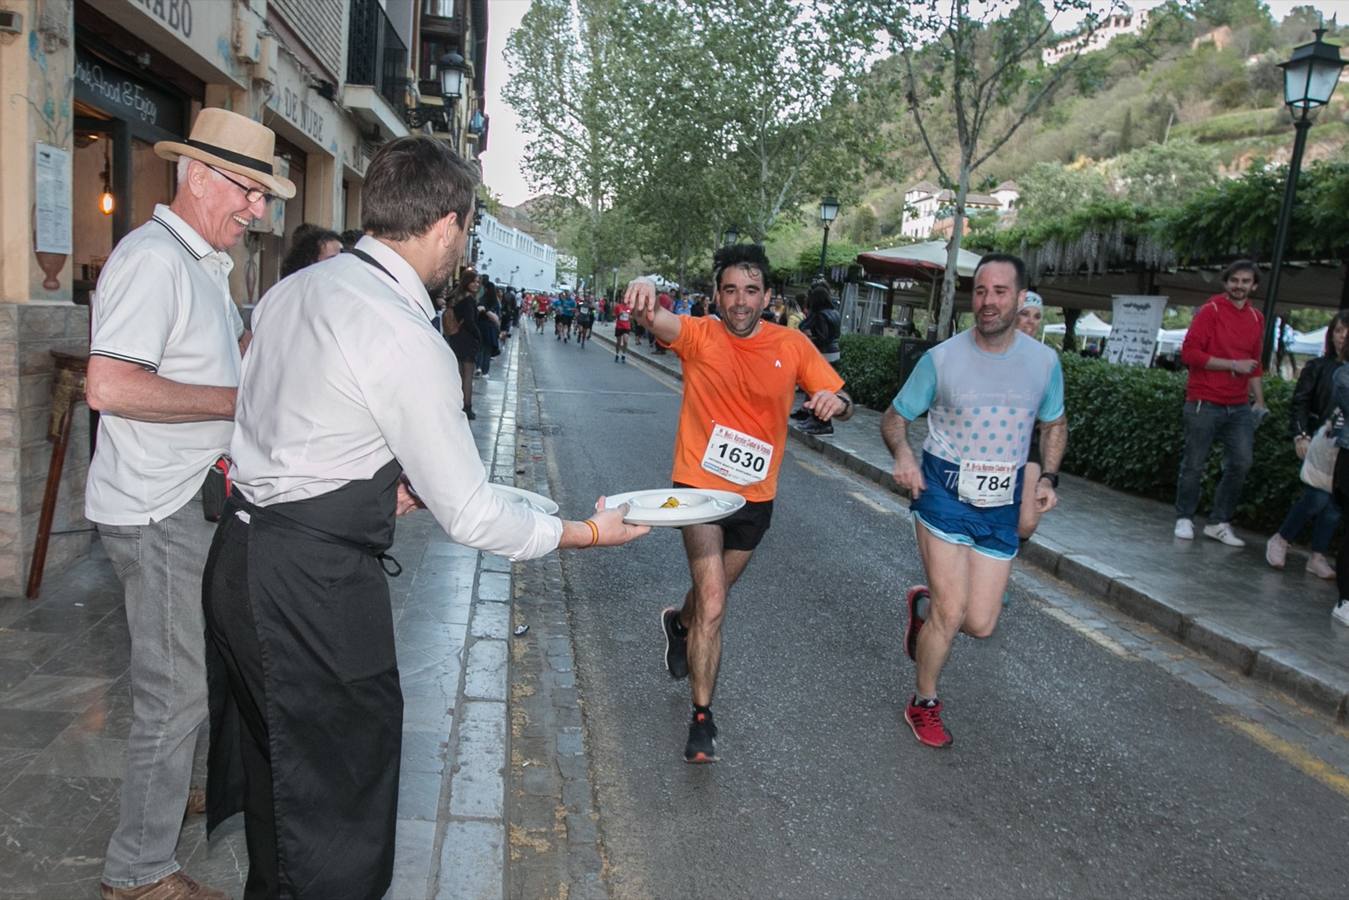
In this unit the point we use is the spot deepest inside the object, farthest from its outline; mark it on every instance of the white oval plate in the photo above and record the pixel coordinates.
(696, 506)
(536, 502)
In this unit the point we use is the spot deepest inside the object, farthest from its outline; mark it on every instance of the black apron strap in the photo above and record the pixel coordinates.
(369, 260)
(267, 516)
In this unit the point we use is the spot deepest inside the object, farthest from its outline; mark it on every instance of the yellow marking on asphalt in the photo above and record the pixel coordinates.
(1088, 632)
(863, 498)
(812, 468)
(1292, 754)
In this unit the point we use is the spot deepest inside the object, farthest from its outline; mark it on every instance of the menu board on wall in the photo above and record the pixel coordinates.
(1133, 330)
(53, 183)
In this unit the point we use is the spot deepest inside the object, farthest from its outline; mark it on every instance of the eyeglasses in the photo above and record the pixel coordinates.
(251, 194)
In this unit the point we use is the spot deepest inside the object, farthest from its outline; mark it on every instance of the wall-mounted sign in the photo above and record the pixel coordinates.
(52, 175)
(119, 94)
(1133, 331)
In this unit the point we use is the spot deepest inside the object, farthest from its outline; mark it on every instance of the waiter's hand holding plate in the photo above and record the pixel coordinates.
(604, 529)
(677, 507)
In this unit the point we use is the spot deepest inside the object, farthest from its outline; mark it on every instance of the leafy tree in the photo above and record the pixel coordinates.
(1167, 174)
(1050, 192)
(559, 83)
(982, 61)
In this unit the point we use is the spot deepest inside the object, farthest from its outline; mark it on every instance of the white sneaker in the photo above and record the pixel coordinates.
(1184, 529)
(1318, 565)
(1223, 532)
(1341, 612)
(1276, 551)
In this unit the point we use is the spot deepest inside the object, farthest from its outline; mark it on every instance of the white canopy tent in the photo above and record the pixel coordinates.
(1089, 325)
(1313, 343)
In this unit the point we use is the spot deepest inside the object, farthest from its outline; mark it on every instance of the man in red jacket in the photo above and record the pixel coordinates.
(1222, 352)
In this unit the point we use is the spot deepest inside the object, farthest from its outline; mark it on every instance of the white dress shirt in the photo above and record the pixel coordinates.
(346, 372)
(162, 302)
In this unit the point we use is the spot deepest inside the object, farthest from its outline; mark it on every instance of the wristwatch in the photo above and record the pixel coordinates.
(1053, 479)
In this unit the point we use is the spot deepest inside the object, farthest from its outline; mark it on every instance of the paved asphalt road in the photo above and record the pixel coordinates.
(1076, 772)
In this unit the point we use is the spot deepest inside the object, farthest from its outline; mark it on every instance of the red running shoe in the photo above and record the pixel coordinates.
(926, 724)
(912, 627)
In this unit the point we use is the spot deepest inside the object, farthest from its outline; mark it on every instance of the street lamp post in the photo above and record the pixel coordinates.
(1309, 79)
(828, 212)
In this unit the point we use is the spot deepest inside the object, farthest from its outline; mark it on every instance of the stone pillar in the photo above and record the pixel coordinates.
(36, 87)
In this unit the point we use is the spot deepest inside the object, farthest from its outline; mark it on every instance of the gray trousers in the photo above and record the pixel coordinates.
(1233, 427)
(160, 566)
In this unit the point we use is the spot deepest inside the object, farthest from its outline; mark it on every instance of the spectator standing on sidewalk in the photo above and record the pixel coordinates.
(1222, 352)
(1313, 404)
(460, 326)
(489, 326)
(824, 327)
(1341, 489)
(164, 362)
(310, 244)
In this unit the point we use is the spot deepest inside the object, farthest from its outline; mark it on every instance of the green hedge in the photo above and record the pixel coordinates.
(870, 366)
(1124, 428)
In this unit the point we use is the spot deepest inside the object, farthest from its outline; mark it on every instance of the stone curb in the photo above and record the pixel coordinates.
(1301, 678)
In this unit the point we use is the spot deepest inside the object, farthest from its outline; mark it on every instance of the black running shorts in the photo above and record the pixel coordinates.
(744, 528)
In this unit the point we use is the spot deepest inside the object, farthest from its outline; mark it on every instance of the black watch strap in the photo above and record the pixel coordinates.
(1053, 479)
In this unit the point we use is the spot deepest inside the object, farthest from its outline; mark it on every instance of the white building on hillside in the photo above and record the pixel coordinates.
(927, 207)
(514, 259)
(1124, 21)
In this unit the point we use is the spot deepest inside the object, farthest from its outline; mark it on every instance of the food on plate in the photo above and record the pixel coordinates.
(672, 503)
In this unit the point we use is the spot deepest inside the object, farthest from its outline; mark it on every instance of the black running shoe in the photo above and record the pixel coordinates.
(702, 743)
(676, 644)
(815, 426)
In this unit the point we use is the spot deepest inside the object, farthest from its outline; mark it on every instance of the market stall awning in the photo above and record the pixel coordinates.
(923, 261)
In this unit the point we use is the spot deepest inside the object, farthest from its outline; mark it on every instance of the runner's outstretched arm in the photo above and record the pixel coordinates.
(1053, 441)
(641, 296)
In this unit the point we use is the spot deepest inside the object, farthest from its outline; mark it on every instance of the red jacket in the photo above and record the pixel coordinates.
(1220, 329)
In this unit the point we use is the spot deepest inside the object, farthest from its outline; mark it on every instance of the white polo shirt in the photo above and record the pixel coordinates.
(162, 302)
(346, 372)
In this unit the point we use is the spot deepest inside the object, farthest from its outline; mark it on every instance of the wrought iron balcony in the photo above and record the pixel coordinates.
(376, 55)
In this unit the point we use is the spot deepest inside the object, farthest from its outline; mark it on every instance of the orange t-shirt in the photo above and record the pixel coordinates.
(743, 383)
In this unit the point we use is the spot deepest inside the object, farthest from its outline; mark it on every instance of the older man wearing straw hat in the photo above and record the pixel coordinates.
(164, 361)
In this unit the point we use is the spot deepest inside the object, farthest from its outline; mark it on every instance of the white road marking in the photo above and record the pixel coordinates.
(863, 498)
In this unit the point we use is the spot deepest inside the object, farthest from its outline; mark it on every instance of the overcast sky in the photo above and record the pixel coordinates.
(503, 161)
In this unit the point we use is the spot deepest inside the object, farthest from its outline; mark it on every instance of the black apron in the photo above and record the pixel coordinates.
(306, 708)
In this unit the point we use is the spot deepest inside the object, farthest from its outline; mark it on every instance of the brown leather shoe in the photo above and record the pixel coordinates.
(175, 887)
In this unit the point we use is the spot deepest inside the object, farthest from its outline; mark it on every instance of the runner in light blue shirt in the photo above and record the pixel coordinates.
(984, 391)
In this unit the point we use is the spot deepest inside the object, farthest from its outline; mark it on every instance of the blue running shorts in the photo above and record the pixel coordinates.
(987, 530)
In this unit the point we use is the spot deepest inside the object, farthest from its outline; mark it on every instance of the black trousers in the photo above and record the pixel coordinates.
(306, 711)
(1341, 492)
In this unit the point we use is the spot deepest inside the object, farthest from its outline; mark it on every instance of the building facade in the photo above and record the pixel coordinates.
(91, 85)
(927, 208)
(1120, 21)
(512, 258)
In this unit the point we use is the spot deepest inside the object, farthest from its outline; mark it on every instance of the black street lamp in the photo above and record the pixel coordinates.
(828, 212)
(451, 73)
(1309, 78)
(730, 236)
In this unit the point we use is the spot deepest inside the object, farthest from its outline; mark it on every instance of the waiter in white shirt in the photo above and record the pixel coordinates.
(346, 386)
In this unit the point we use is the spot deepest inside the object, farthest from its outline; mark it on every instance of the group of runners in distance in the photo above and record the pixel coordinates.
(994, 400)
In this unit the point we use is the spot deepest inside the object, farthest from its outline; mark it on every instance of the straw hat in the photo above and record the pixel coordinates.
(234, 143)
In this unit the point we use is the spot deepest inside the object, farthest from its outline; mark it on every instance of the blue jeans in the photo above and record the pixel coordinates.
(1234, 427)
(160, 566)
(1314, 504)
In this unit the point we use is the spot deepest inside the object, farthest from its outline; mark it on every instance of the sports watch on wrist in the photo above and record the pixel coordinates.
(1053, 479)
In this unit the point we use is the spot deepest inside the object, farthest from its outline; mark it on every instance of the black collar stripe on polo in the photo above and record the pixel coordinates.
(231, 156)
(180, 239)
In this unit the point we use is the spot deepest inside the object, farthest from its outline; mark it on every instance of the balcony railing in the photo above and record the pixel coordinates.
(376, 55)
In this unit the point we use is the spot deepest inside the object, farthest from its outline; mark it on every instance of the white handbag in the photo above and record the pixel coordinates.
(1318, 466)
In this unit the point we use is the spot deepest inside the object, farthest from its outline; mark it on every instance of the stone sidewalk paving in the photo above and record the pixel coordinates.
(65, 711)
(1272, 626)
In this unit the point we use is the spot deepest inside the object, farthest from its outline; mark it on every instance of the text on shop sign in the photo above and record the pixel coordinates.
(177, 14)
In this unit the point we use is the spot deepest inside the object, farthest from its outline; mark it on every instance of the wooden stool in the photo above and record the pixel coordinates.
(67, 392)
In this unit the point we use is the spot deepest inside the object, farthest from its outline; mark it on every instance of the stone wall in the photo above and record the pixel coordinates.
(28, 332)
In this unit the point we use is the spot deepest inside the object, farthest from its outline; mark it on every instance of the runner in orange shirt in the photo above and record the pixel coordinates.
(740, 376)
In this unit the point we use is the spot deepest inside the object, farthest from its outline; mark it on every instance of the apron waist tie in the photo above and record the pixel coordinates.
(387, 561)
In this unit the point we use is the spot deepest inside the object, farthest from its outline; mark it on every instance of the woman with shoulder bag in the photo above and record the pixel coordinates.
(1312, 407)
